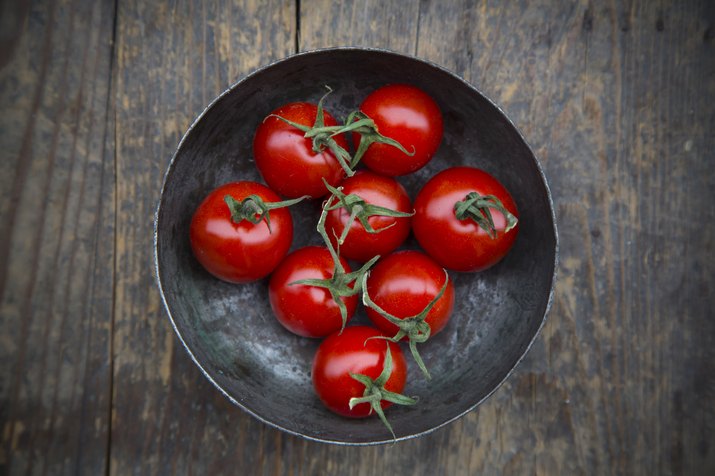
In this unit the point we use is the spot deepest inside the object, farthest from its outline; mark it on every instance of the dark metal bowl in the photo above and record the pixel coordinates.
(229, 330)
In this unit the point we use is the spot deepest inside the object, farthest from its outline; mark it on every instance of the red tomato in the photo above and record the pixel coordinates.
(377, 190)
(403, 284)
(462, 245)
(239, 252)
(409, 116)
(351, 352)
(286, 158)
(309, 311)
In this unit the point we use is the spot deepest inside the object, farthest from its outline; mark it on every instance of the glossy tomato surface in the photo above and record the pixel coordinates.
(239, 252)
(375, 190)
(408, 115)
(461, 245)
(286, 158)
(308, 311)
(351, 352)
(403, 284)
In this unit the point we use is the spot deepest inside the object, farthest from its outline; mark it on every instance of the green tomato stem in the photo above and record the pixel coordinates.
(254, 209)
(478, 207)
(375, 391)
(323, 136)
(360, 210)
(414, 327)
(360, 123)
(341, 284)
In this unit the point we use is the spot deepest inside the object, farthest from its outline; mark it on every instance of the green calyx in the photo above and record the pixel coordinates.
(357, 122)
(413, 327)
(375, 391)
(323, 136)
(361, 210)
(341, 284)
(254, 209)
(478, 208)
(360, 123)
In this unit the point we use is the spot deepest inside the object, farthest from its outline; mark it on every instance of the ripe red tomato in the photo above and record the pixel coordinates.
(286, 159)
(239, 252)
(308, 311)
(379, 191)
(464, 244)
(353, 351)
(411, 117)
(403, 284)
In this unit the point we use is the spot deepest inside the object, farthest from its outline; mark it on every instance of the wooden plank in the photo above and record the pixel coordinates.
(173, 58)
(57, 228)
(390, 25)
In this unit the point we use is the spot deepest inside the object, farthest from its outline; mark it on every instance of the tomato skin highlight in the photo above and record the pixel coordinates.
(461, 245)
(408, 115)
(243, 252)
(351, 352)
(403, 284)
(285, 158)
(307, 311)
(377, 190)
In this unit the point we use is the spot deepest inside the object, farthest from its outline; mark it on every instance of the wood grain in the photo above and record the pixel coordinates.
(618, 89)
(173, 58)
(615, 97)
(56, 253)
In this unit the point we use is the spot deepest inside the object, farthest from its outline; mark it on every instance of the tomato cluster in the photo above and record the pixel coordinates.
(463, 219)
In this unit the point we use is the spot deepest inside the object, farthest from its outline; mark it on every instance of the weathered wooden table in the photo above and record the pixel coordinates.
(618, 100)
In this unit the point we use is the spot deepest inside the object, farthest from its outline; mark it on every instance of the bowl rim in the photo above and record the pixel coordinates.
(318, 52)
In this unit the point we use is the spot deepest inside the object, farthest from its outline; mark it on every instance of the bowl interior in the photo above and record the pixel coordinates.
(229, 329)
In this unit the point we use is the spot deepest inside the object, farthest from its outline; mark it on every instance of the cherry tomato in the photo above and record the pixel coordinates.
(352, 351)
(411, 117)
(377, 190)
(309, 311)
(286, 158)
(239, 252)
(403, 284)
(463, 244)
